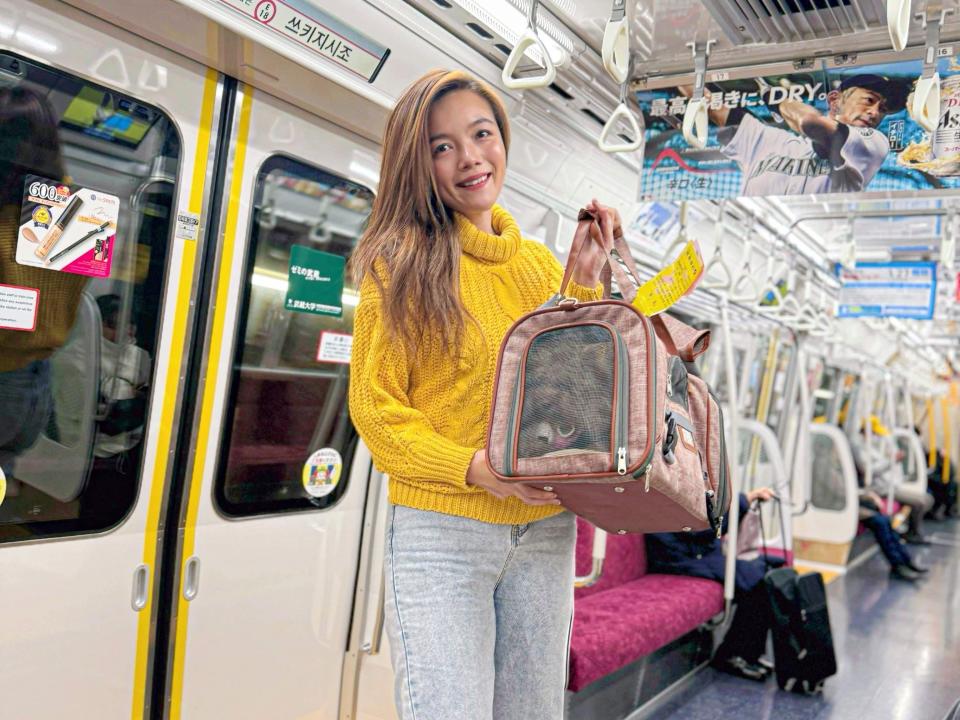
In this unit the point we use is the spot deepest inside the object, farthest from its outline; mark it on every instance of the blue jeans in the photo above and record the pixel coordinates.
(478, 615)
(25, 404)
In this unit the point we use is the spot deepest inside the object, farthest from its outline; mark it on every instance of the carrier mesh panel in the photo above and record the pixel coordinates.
(568, 393)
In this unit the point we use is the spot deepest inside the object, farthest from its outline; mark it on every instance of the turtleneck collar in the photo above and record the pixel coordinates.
(496, 248)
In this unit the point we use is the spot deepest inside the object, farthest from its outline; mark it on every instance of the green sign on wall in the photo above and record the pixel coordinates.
(314, 282)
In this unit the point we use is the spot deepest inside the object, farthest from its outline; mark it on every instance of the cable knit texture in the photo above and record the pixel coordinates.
(424, 416)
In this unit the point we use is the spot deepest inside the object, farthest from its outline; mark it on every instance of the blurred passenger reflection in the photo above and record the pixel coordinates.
(29, 145)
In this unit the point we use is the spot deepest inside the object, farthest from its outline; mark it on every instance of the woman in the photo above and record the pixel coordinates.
(29, 146)
(479, 573)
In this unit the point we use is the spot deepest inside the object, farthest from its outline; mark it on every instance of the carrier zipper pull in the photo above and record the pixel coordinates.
(646, 475)
(621, 461)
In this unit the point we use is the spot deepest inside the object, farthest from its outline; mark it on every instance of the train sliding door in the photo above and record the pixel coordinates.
(275, 495)
(105, 140)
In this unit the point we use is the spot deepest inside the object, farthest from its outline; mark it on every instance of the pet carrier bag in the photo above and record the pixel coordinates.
(593, 401)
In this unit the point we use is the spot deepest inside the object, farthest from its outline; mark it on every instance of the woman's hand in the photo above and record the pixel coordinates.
(762, 494)
(591, 261)
(479, 475)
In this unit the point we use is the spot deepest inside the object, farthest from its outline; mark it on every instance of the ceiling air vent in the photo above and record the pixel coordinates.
(754, 22)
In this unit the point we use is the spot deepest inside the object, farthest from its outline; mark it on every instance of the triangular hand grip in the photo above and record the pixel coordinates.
(925, 108)
(777, 303)
(719, 263)
(530, 37)
(615, 50)
(695, 123)
(621, 112)
(745, 289)
(898, 22)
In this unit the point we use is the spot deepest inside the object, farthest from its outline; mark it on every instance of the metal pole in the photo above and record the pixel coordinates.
(733, 421)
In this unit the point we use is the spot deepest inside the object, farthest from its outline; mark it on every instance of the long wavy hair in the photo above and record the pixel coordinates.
(410, 247)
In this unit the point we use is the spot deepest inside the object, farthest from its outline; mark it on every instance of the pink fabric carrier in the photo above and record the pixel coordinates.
(593, 401)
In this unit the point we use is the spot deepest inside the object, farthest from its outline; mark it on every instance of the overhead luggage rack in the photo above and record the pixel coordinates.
(747, 22)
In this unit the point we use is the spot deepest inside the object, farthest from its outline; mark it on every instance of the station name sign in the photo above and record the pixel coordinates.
(313, 29)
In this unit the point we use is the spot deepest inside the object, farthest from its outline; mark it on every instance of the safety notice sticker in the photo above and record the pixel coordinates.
(335, 347)
(321, 472)
(18, 307)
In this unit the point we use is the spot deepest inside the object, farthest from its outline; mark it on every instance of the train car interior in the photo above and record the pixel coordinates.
(192, 527)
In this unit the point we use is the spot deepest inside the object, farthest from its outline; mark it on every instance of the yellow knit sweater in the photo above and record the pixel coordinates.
(423, 417)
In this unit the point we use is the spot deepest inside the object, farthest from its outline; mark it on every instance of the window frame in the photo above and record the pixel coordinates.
(81, 526)
(222, 505)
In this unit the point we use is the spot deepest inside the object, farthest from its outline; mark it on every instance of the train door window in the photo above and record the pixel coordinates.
(778, 392)
(824, 394)
(87, 178)
(828, 489)
(288, 440)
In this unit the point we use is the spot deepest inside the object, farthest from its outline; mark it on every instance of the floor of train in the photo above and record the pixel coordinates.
(897, 645)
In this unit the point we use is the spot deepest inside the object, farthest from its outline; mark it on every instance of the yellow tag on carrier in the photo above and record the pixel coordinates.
(673, 282)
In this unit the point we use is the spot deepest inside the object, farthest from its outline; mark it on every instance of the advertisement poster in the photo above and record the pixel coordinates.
(69, 229)
(893, 289)
(315, 282)
(810, 132)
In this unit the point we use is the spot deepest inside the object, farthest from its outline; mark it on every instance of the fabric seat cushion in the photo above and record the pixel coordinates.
(626, 559)
(622, 624)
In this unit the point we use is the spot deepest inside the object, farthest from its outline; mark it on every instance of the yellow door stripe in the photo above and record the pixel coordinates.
(169, 386)
(209, 390)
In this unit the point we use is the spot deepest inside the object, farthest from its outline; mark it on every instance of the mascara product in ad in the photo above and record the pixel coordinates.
(56, 232)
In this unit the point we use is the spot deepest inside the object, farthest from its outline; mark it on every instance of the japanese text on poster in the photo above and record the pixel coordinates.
(68, 229)
(896, 289)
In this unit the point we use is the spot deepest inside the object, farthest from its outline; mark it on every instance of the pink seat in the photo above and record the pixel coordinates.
(629, 614)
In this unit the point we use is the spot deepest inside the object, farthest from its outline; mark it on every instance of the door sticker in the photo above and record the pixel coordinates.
(335, 347)
(70, 229)
(18, 307)
(321, 472)
(315, 282)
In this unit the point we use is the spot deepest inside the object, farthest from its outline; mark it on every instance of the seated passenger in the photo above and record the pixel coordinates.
(700, 555)
(944, 494)
(919, 502)
(902, 566)
(124, 375)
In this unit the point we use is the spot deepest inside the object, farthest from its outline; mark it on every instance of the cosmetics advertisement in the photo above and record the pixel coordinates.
(67, 228)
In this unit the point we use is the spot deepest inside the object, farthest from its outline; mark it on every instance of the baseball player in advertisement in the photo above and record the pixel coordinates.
(809, 133)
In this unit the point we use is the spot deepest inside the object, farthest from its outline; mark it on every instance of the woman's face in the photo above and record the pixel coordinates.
(469, 159)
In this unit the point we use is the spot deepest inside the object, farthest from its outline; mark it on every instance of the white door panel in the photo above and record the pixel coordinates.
(72, 644)
(265, 634)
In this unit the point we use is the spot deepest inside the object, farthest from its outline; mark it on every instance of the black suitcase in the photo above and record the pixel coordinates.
(802, 642)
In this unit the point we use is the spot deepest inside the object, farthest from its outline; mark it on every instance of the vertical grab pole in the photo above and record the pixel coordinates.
(733, 420)
(801, 447)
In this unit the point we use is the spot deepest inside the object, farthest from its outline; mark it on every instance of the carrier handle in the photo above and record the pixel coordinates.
(680, 339)
(623, 267)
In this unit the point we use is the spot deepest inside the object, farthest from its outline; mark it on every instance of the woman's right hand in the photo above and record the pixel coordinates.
(479, 475)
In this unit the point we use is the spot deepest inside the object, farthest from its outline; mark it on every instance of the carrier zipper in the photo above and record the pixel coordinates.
(647, 464)
(623, 390)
